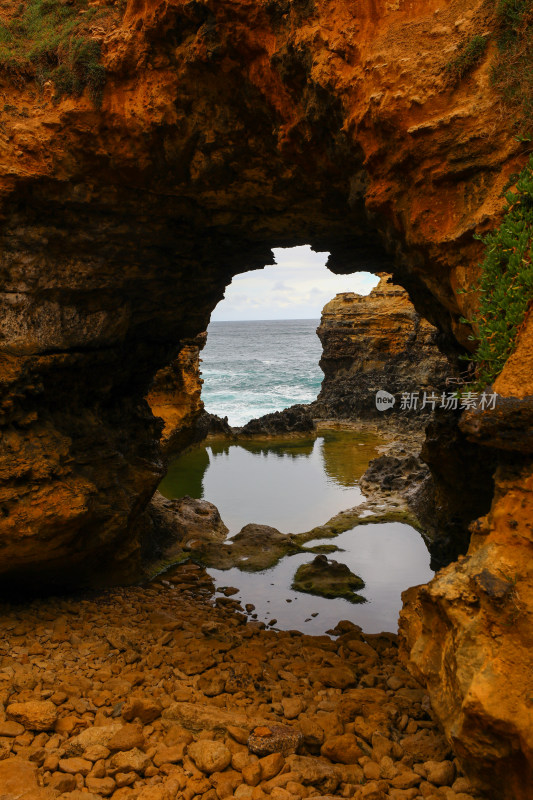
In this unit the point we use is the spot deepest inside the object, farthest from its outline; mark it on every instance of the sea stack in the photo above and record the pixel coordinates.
(376, 342)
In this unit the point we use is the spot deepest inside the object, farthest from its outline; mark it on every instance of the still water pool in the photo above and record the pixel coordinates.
(390, 557)
(291, 484)
(294, 485)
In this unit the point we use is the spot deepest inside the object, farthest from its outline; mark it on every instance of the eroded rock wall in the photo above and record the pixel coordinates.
(175, 396)
(468, 636)
(468, 633)
(376, 342)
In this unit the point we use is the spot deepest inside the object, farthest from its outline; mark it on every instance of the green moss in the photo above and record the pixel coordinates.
(158, 568)
(470, 54)
(349, 519)
(49, 40)
(506, 283)
(328, 579)
(512, 71)
(322, 548)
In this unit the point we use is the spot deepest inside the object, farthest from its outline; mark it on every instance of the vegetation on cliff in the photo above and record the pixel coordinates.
(506, 282)
(469, 55)
(512, 71)
(49, 40)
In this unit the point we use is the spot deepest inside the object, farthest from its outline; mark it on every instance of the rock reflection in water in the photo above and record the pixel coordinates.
(187, 473)
(294, 448)
(345, 461)
(290, 484)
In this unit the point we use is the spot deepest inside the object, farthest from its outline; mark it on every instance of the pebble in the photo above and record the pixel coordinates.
(155, 693)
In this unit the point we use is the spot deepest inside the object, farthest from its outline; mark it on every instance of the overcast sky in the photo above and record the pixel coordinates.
(297, 287)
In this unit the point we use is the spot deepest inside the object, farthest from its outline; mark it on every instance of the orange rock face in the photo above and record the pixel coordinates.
(175, 395)
(373, 342)
(468, 634)
(516, 379)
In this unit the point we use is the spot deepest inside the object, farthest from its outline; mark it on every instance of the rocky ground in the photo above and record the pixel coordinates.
(165, 692)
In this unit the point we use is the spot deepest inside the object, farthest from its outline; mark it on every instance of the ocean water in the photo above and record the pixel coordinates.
(254, 368)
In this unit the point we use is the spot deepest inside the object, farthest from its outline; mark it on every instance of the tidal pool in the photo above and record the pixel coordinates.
(295, 485)
(291, 484)
(389, 556)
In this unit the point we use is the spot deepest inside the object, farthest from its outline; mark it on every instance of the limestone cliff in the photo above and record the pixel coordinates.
(224, 129)
(376, 342)
(468, 633)
(175, 396)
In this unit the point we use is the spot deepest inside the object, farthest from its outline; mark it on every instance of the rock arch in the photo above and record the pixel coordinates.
(225, 129)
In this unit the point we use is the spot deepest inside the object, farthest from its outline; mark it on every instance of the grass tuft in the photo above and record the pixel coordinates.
(51, 40)
(468, 57)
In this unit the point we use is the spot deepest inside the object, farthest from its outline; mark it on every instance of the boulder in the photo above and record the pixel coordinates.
(328, 579)
(35, 715)
(209, 756)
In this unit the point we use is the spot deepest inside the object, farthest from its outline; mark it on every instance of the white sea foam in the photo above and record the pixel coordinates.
(255, 368)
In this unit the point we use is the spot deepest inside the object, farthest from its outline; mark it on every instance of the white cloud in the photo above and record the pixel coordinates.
(296, 287)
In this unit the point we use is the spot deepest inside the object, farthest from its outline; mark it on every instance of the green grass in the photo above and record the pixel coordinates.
(512, 71)
(48, 40)
(470, 54)
(506, 283)
(505, 286)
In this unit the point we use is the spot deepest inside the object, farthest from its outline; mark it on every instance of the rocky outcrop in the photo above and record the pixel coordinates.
(468, 638)
(377, 342)
(467, 634)
(327, 578)
(444, 508)
(175, 396)
(297, 419)
(508, 424)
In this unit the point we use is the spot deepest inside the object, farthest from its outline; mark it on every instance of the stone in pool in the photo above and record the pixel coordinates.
(328, 579)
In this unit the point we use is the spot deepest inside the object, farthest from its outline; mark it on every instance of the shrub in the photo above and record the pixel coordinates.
(506, 283)
(50, 40)
(469, 55)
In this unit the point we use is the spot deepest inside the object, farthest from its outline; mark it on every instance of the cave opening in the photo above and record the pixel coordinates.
(247, 481)
(258, 350)
(262, 353)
